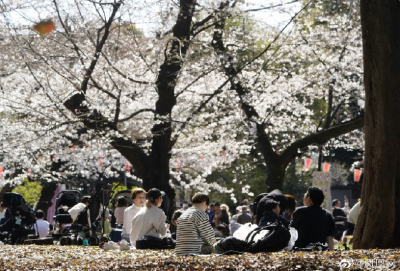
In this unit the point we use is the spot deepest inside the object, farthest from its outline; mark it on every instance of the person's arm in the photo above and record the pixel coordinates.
(295, 223)
(329, 240)
(160, 225)
(134, 233)
(206, 232)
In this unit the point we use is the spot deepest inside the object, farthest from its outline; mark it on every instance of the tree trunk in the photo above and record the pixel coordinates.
(49, 188)
(275, 175)
(379, 221)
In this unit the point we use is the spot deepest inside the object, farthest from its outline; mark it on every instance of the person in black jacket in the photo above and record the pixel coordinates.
(271, 214)
(275, 195)
(313, 224)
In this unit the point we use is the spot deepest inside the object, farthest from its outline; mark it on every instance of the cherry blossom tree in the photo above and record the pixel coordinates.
(176, 101)
(95, 90)
(278, 86)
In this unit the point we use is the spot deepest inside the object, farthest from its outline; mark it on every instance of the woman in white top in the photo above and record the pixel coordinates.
(149, 220)
(138, 196)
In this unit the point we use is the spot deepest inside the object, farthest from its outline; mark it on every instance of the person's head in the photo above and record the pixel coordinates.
(313, 196)
(217, 207)
(121, 202)
(244, 209)
(224, 206)
(201, 201)
(39, 214)
(85, 200)
(335, 203)
(138, 196)
(222, 229)
(272, 206)
(292, 204)
(238, 209)
(177, 214)
(212, 208)
(154, 197)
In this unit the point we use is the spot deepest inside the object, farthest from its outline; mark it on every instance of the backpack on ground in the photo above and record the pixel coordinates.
(269, 238)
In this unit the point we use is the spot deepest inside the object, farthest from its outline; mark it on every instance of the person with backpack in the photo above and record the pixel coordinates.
(271, 214)
(313, 223)
(261, 199)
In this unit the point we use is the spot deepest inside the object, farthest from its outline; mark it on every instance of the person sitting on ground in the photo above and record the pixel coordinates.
(271, 214)
(336, 209)
(76, 209)
(244, 217)
(221, 231)
(217, 217)
(122, 204)
(352, 217)
(149, 220)
(174, 221)
(276, 195)
(138, 196)
(194, 233)
(313, 223)
(238, 212)
(41, 226)
(234, 226)
(290, 208)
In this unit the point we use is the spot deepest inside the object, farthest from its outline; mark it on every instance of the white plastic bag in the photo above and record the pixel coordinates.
(244, 230)
(293, 237)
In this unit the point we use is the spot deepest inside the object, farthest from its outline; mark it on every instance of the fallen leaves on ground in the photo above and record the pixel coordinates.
(33, 257)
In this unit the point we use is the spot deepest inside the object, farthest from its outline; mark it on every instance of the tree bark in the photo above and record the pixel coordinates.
(379, 221)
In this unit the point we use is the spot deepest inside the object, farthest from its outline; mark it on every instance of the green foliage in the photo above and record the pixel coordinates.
(241, 173)
(121, 187)
(30, 190)
(296, 182)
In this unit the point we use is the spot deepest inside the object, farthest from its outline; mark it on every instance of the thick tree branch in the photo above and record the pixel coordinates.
(322, 137)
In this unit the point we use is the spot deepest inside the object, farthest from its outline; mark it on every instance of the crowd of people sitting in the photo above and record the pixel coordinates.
(198, 225)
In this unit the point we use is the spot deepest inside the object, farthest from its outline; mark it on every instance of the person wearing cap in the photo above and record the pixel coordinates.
(149, 220)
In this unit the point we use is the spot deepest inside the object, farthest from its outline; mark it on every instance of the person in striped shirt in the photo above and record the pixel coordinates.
(194, 232)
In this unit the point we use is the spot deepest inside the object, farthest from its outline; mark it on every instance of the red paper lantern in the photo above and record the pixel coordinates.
(307, 164)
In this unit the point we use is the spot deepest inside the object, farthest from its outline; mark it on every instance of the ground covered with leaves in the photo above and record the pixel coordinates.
(32, 257)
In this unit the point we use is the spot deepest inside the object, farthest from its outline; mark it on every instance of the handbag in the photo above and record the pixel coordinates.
(153, 242)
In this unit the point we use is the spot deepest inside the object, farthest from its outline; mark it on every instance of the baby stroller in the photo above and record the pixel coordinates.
(89, 223)
(21, 220)
(65, 200)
